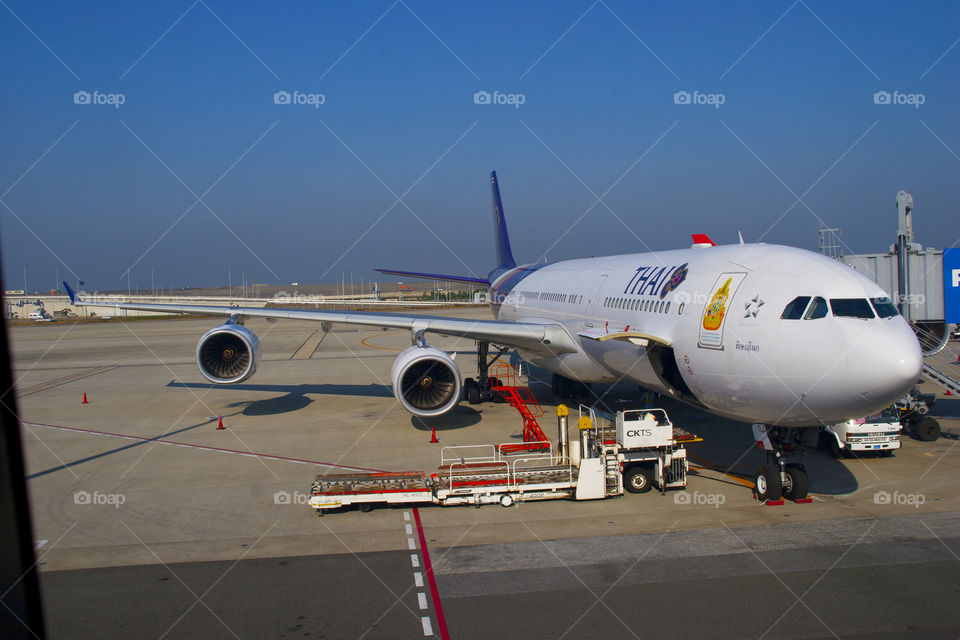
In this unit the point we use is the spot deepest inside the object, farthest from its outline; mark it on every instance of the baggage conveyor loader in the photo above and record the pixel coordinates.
(633, 450)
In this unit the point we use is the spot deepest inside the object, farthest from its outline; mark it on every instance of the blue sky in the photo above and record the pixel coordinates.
(297, 192)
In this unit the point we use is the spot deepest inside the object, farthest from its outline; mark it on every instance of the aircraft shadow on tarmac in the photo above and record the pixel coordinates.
(295, 398)
(459, 417)
(728, 446)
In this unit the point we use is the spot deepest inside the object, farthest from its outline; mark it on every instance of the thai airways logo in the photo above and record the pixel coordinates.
(675, 281)
(651, 281)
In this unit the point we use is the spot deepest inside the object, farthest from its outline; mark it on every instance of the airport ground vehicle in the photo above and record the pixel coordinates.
(633, 450)
(912, 412)
(878, 433)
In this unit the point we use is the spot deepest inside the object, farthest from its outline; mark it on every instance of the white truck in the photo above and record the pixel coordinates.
(878, 433)
(633, 450)
(646, 444)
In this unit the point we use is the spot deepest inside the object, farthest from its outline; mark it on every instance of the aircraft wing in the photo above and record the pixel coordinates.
(545, 338)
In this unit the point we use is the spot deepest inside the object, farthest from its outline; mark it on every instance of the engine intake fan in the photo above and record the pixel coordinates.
(228, 354)
(426, 381)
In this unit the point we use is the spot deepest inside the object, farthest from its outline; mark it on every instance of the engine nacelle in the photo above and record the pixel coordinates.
(228, 354)
(426, 381)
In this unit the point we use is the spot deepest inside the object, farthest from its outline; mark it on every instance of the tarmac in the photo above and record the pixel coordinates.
(150, 521)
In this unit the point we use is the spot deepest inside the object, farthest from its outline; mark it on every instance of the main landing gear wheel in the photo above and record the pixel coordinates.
(796, 485)
(495, 382)
(471, 391)
(769, 485)
(638, 480)
(927, 430)
(829, 442)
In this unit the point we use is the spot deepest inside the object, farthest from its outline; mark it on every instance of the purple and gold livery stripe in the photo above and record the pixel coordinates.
(507, 282)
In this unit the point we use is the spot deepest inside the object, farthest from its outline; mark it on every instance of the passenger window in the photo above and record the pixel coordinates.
(884, 307)
(818, 309)
(794, 310)
(851, 308)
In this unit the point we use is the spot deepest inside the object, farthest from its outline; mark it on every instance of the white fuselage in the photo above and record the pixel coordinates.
(704, 324)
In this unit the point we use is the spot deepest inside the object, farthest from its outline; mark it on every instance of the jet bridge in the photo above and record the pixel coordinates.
(924, 283)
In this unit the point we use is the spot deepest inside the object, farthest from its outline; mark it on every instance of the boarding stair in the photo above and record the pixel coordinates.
(504, 382)
(939, 377)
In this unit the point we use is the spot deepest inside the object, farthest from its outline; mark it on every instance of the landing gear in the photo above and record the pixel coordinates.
(471, 391)
(481, 389)
(769, 484)
(776, 478)
(797, 484)
(926, 429)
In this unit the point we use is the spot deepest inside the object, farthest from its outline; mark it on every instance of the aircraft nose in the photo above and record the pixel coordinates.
(890, 363)
(908, 363)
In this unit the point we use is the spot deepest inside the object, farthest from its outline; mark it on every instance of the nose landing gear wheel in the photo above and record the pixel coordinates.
(796, 484)
(769, 485)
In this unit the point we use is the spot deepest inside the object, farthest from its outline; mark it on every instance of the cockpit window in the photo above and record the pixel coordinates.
(818, 309)
(851, 308)
(794, 310)
(884, 307)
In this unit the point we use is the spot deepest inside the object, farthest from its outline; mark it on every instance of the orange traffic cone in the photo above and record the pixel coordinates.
(433, 435)
(948, 392)
(220, 426)
(84, 398)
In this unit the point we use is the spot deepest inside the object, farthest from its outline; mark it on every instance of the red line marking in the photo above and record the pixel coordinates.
(434, 593)
(200, 446)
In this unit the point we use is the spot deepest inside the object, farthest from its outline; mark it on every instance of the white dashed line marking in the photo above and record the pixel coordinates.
(417, 577)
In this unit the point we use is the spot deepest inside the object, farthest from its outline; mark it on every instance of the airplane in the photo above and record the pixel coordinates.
(777, 336)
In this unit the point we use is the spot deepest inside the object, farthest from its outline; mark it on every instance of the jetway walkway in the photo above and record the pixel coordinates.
(939, 377)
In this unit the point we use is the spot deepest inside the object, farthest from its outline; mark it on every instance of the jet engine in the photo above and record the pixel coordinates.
(228, 354)
(426, 381)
